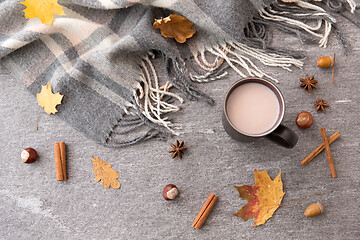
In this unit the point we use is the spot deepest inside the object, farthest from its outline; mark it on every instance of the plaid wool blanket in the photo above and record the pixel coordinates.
(101, 55)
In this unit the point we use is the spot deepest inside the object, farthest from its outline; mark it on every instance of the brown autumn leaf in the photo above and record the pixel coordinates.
(105, 173)
(263, 198)
(175, 26)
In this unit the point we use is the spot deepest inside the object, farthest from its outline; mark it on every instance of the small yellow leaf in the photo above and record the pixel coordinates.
(48, 100)
(105, 173)
(43, 9)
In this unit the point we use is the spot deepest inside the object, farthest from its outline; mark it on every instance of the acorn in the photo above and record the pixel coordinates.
(314, 210)
(325, 62)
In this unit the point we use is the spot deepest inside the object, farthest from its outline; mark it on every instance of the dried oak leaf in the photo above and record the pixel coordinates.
(48, 100)
(175, 26)
(43, 9)
(105, 173)
(263, 198)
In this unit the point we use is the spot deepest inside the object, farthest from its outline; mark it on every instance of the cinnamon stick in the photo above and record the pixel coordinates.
(328, 153)
(205, 211)
(60, 161)
(319, 149)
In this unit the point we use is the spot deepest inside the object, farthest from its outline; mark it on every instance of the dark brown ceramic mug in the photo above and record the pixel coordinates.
(232, 119)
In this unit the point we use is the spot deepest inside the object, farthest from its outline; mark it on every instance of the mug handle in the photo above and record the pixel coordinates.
(283, 136)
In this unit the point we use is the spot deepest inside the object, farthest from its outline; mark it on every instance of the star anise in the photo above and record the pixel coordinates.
(308, 83)
(177, 150)
(321, 104)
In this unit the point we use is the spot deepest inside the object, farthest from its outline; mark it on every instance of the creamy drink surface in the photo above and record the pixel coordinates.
(253, 108)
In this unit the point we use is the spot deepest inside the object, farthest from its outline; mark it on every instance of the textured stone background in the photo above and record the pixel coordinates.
(34, 205)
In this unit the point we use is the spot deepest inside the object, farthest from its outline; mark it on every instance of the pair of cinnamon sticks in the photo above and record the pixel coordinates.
(325, 145)
(205, 211)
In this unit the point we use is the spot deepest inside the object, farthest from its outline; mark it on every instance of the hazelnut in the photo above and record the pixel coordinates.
(314, 210)
(170, 192)
(304, 120)
(325, 62)
(29, 155)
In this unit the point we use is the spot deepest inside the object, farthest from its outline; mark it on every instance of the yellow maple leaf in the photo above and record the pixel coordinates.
(48, 100)
(105, 173)
(43, 9)
(263, 198)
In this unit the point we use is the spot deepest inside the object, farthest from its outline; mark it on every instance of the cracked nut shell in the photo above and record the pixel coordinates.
(170, 192)
(29, 155)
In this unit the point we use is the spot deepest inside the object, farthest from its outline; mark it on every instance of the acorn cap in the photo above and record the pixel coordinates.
(321, 207)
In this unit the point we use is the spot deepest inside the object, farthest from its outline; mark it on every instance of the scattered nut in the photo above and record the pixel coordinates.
(325, 62)
(314, 210)
(170, 192)
(304, 120)
(29, 155)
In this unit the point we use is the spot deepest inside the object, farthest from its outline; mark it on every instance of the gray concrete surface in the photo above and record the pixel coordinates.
(34, 205)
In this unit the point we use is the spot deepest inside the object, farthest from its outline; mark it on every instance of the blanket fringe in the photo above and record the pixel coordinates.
(296, 15)
(152, 101)
(239, 56)
(214, 71)
(339, 6)
(127, 123)
(352, 5)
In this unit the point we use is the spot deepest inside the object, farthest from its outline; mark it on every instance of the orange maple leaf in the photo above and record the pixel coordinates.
(175, 26)
(48, 100)
(263, 198)
(43, 9)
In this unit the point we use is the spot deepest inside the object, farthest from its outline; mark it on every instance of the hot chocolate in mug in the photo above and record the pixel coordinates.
(254, 108)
